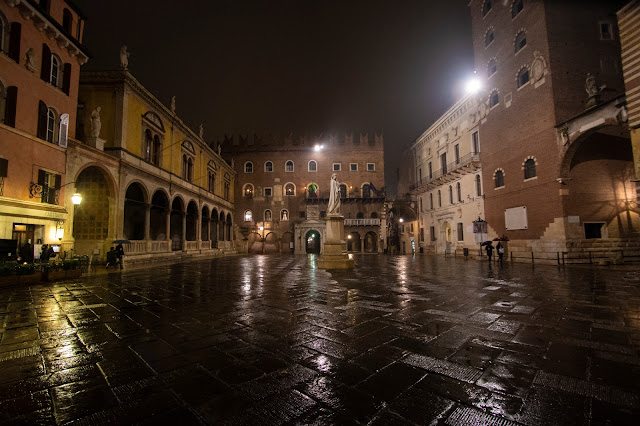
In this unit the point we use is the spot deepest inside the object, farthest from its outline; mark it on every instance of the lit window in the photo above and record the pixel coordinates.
(290, 189)
(529, 168)
(494, 99)
(516, 8)
(523, 77)
(521, 41)
(248, 216)
(313, 166)
(486, 7)
(268, 166)
(499, 179)
(248, 191)
(248, 167)
(288, 166)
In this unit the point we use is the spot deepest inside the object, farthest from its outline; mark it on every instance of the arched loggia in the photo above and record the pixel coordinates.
(192, 221)
(135, 212)
(158, 216)
(178, 224)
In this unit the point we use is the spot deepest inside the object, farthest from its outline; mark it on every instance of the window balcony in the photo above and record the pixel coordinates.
(466, 164)
(362, 222)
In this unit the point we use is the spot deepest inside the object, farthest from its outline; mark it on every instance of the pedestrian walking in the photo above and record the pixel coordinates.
(489, 249)
(500, 251)
(120, 254)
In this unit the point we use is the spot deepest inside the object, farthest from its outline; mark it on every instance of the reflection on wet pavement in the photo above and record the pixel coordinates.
(273, 340)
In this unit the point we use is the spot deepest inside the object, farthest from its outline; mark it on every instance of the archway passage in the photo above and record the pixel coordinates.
(254, 243)
(91, 218)
(286, 242)
(177, 221)
(602, 193)
(158, 216)
(228, 236)
(135, 212)
(221, 226)
(192, 221)
(204, 224)
(353, 242)
(271, 243)
(214, 228)
(312, 242)
(370, 242)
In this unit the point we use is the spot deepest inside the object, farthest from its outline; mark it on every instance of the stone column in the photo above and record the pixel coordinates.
(183, 237)
(167, 228)
(147, 226)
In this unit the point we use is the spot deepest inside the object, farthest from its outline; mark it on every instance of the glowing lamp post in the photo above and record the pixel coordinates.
(76, 199)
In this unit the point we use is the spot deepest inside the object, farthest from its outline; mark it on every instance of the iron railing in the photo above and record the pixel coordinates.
(449, 168)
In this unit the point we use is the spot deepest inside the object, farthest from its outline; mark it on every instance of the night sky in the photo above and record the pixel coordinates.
(280, 66)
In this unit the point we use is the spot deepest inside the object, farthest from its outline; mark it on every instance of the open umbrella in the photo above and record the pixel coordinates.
(121, 241)
(486, 243)
(497, 239)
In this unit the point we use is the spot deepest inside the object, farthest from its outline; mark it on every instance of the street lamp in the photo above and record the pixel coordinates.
(318, 147)
(76, 199)
(473, 86)
(401, 220)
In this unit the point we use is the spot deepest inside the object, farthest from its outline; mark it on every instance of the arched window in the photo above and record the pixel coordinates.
(185, 167)
(247, 192)
(190, 169)
(366, 191)
(312, 190)
(492, 67)
(523, 77)
(521, 41)
(148, 142)
(211, 181)
(343, 190)
(374, 215)
(284, 215)
(227, 186)
(54, 75)
(290, 189)
(268, 166)
(52, 118)
(450, 194)
(486, 7)
(360, 215)
(431, 201)
(313, 166)
(499, 179)
(488, 37)
(478, 186)
(248, 167)
(516, 8)
(494, 99)
(267, 215)
(529, 168)
(156, 150)
(288, 167)
(439, 198)
(459, 191)
(248, 216)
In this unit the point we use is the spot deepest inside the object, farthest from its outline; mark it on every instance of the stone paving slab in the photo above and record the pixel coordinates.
(274, 340)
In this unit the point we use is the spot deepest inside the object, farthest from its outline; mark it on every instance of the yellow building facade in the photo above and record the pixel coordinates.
(146, 178)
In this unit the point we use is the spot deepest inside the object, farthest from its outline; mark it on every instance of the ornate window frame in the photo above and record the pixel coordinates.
(495, 178)
(533, 159)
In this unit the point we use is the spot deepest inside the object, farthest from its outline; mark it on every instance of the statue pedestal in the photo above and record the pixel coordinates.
(334, 256)
(96, 143)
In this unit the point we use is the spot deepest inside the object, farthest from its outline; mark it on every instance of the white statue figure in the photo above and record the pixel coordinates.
(219, 149)
(124, 57)
(173, 104)
(95, 123)
(590, 85)
(201, 131)
(334, 196)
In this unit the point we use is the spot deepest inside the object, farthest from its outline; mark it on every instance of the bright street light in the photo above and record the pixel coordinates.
(401, 220)
(76, 199)
(473, 86)
(318, 148)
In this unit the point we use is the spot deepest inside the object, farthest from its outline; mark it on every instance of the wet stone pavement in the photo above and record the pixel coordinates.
(272, 340)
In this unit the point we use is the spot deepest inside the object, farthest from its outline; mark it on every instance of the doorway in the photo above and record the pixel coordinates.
(312, 240)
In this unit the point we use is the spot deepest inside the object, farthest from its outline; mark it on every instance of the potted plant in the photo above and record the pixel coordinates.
(71, 269)
(26, 273)
(53, 271)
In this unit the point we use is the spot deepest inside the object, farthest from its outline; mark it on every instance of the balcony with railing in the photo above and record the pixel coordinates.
(362, 222)
(466, 164)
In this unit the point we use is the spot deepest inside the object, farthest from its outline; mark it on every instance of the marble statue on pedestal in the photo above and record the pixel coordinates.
(95, 123)
(334, 196)
(124, 57)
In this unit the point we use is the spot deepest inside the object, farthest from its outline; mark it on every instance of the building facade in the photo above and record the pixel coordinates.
(145, 176)
(546, 65)
(283, 185)
(41, 53)
(448, 185)
(628, 24)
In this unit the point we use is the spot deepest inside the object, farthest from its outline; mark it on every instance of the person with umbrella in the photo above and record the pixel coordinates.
(488, 248)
